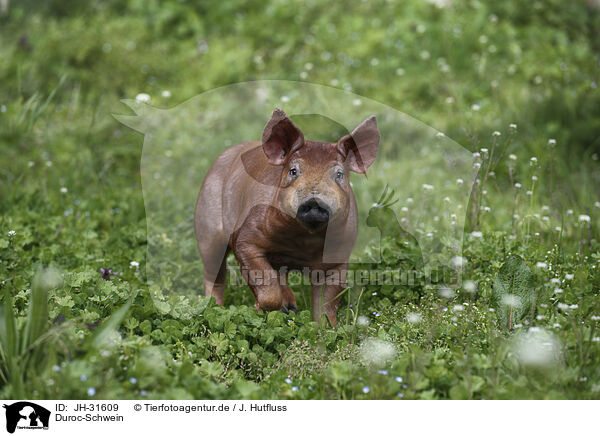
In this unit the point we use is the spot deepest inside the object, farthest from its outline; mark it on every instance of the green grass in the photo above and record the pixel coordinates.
(467, 69)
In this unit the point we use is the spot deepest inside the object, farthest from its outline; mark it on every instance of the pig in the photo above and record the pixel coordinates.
(283, 204)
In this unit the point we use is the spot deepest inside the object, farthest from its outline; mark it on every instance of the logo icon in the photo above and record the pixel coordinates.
(26, 415)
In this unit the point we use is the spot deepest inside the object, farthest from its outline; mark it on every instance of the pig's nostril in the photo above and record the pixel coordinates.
(313, 214)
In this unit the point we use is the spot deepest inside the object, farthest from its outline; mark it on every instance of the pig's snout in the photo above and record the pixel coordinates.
(313, 214)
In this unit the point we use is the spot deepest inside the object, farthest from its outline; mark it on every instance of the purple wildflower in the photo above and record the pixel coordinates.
(106, 273)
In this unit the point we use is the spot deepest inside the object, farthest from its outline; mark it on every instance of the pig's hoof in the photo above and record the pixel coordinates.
(284, 309)
(293, 308)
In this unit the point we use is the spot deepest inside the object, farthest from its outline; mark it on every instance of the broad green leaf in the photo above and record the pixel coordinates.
(513, 291)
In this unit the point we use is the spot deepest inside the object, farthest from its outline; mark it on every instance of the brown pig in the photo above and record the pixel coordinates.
(284, 204)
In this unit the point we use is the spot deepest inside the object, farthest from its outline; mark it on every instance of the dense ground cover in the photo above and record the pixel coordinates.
(516, 82)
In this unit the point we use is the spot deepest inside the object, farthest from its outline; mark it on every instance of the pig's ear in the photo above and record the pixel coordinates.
(280, 138)
(359, 148)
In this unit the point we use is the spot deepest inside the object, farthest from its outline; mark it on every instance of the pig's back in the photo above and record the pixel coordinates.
(229, 191)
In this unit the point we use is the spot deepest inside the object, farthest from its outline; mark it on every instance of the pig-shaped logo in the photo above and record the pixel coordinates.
(227, 171)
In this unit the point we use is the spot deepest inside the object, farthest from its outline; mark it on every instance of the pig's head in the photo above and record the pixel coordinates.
(314, 185)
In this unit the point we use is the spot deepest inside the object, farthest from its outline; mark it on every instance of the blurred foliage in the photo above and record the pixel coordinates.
(467, 68)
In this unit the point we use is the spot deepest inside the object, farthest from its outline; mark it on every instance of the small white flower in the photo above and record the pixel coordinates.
(64, 190)
(166, 93)
(518, 185)
(584, 218)
(458, 308)
(439, 135)
(357, 102)
(569, 212)
(563, 306)
(496, 133)
(512, 156)
(134, 264)
(427, 187)
(470, 286)
(569, 276)
(513, 126)
(285, 98)
(529, 193)
(542, 265)
(484, 150)
(142, 98)
(533, 160)
(597, 204)
(573, 306)
(476, 234)
(366, 390)
(476, 155)
(551, 141)
(555, 281)
(534, 178)
(459, 181)
(558, 291)
(475, 107)
(413, 317)
(595, 318)
(11, 233)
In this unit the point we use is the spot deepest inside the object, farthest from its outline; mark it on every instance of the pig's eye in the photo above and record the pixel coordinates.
(293, 172)
(339, 174)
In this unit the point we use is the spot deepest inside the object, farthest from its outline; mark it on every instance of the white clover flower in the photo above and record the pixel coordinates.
(362, 320)
(551, 141)
(458, 262)
(496, 133)
(584, 218)
(537, 347)
(513, 126)
(533, 160)
(142, 98)
(414, 317)
(446, 292)
(470, 286)
(484, 150)
(511, 300)
(375, 351)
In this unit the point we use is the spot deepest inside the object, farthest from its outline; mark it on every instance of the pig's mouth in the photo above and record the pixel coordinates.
(313, 214)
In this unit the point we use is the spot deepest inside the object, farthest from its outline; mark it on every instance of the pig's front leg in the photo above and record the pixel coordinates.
(325, 295)
(261, 277)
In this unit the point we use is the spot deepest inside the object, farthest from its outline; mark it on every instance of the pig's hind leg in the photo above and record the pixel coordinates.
(215, 272)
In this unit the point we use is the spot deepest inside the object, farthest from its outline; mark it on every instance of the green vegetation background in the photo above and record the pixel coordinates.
(467, 68)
